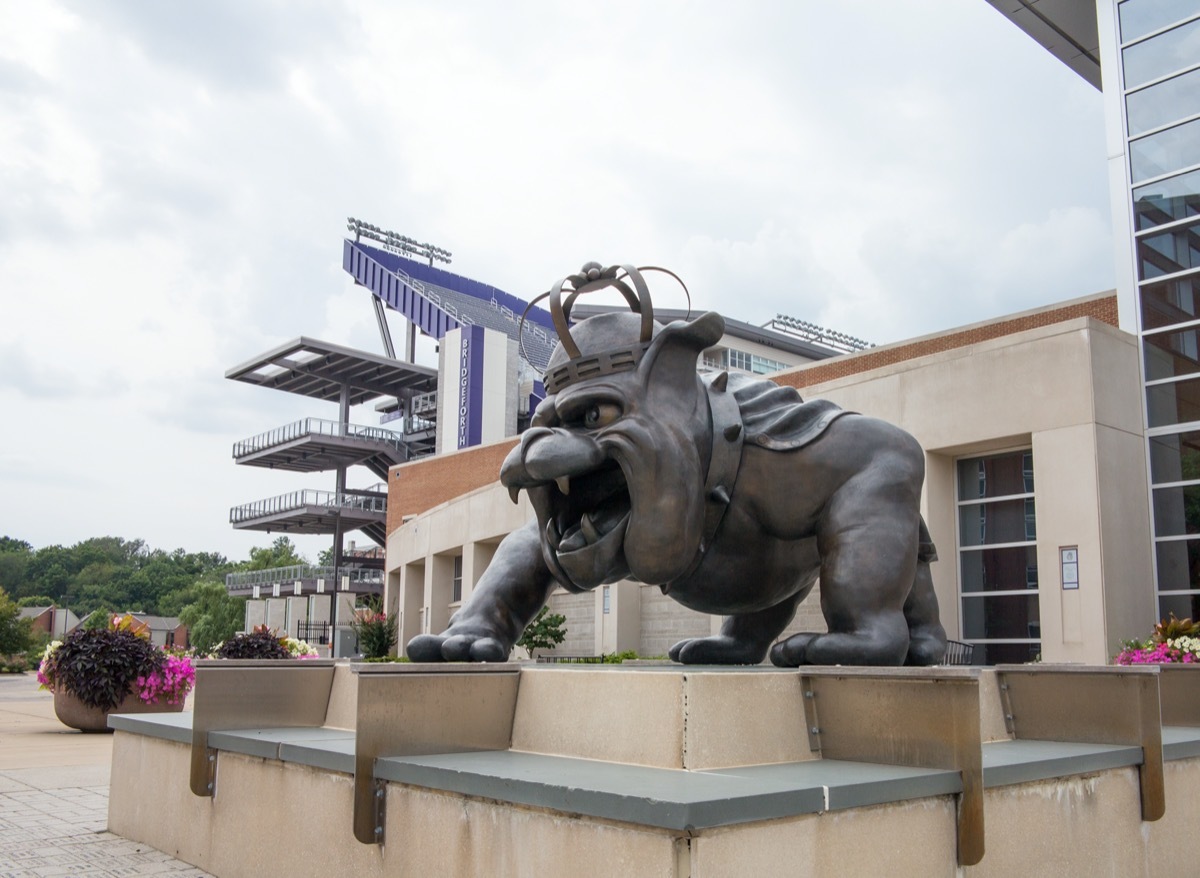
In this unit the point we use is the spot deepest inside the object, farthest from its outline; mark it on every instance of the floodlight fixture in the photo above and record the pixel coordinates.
(397, 243)
(819, 334)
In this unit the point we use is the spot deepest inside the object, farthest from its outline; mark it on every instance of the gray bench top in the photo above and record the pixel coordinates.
(319, 746)
(175, 727)
(1011, 762)
(1180, 742)
(661, 797)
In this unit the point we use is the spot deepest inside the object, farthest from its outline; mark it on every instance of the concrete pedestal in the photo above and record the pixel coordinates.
(585, 771)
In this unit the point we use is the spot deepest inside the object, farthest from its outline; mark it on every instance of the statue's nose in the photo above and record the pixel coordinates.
(562, 453)
(547, 455)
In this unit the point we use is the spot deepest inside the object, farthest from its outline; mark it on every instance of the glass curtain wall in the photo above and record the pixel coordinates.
(1160, 70)
(997, 557)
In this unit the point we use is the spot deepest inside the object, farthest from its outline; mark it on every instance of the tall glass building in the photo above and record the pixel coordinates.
(1145, 55)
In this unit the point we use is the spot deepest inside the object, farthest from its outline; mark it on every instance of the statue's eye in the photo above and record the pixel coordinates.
(600, 415)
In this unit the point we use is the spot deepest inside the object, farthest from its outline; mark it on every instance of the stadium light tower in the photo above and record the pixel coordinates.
(396, 242)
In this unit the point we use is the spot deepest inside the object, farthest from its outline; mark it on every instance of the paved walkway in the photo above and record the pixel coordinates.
(54, 797)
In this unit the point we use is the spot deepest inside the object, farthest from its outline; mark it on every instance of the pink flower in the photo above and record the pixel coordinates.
(173, 682)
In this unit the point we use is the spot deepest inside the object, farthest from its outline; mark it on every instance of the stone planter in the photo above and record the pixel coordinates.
(74, 713)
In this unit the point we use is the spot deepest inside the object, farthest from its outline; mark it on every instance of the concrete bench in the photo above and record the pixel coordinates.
(460, 731)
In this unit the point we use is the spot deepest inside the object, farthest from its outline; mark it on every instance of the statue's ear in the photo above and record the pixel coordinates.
(671, 358)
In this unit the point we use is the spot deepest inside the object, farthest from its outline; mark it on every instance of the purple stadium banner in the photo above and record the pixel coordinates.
(470, 387)
(535, 398)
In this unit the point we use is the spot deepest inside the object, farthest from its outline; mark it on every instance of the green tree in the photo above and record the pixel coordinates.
(12, 544)
(212, 615)
(546, 631)
(14, 562)
(96, 620)
(281, 553)
(16, 635)
(37, 600)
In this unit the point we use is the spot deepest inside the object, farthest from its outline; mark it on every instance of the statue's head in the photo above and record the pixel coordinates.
(616, 456)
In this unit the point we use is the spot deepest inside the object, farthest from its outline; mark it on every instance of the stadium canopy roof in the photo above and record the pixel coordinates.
(1065, 28)
(319, 370)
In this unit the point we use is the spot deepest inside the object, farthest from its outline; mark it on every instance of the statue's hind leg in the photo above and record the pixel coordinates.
(868, 545)
(926, 636)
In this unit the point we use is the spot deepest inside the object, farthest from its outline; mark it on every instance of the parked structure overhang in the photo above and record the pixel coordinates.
(1065, 28)
(320, 370)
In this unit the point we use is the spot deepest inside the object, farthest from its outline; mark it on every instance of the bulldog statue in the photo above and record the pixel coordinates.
(729, 492)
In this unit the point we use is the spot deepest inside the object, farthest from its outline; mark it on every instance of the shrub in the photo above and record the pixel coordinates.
(617, 658)
(546, 631)
(375, 631)
(257, 644)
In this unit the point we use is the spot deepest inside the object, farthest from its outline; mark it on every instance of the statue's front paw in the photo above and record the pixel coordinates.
(716, 650)
(447, 647)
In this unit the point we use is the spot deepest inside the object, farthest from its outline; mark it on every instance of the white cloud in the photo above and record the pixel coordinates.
(176, 180)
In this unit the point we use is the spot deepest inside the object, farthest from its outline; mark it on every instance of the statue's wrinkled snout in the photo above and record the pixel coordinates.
(547, 455)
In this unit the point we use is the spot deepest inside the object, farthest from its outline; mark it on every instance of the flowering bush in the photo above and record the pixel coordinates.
(1183, 649)
(299, 649)
(375, 631)
(174, 681)
(1173, 641)
(262, 643)
(45, 672)
(100, 667)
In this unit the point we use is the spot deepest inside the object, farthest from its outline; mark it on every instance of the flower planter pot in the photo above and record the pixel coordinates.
(74, 713)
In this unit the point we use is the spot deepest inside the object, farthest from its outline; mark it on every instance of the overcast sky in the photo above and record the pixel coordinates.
(175, 179)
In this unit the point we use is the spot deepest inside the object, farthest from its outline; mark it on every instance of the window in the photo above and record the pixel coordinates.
(997, 556)
(1141, 17)
(1165, 102)
(1161, 202)
(1172, 354)
(739, 360)
(747, 362)
(763, 366)
(1175, 476)
(1160, 55)
(1177, 402)
(456, 587)
(1169, 252)
(1170, 150)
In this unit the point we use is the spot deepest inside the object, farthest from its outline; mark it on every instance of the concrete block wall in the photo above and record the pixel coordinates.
(580, 612)
(665, 623)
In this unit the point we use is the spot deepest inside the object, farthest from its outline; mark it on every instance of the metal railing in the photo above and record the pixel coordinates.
(359, 502)
(316, 427)
(301, 572)
(313, 633)
(424, 403)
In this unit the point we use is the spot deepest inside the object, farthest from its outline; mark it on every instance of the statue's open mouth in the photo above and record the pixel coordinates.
(586, 529)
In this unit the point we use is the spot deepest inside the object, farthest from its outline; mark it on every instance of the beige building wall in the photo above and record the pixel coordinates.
(421, 553)
(1068, 391)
